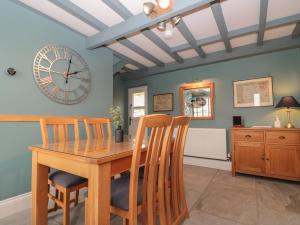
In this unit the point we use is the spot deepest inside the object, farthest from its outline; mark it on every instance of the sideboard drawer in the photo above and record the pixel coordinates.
(282, 137)
(250, 136)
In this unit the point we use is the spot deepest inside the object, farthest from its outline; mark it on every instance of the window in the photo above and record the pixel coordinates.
(138, 104)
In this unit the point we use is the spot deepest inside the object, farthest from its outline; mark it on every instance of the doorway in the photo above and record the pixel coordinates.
(137, 107)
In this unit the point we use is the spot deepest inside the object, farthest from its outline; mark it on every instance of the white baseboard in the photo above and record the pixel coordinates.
(22, 202)
(15, 204)
(210, 163)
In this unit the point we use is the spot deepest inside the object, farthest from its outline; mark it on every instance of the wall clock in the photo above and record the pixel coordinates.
(62, 74)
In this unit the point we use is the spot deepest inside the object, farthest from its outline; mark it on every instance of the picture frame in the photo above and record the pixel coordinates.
(255, 92)
(197, 100)
(163, 102)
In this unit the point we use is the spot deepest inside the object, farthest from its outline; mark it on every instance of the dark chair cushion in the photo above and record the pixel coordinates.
(120, 192)
(51, 171)
(65, 179)
(141, 172)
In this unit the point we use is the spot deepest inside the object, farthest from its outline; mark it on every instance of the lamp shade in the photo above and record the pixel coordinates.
(288, 102)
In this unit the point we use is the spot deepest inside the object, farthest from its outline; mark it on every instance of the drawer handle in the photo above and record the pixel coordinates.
(248, 136)
(282, 137)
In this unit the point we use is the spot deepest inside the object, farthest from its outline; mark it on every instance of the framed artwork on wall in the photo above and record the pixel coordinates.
(163, 102)
(197, 100)
(253, 93)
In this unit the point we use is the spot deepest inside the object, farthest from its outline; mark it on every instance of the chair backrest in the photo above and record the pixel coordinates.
(95, 128)
(159, 126)
(171, 164)
(61, 131)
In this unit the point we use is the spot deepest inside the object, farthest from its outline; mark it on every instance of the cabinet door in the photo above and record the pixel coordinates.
(249, 157)
(282, 160)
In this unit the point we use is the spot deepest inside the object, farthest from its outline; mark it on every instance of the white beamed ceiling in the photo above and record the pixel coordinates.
(100, 11)
(238, 14)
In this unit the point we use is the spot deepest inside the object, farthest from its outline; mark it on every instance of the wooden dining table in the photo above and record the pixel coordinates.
(95, 160)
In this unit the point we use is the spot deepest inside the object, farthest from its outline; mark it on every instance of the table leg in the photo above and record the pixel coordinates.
(39, 185)
(99, 183)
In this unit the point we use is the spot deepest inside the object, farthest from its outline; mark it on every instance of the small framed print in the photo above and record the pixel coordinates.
(163, 102)
(253, 93)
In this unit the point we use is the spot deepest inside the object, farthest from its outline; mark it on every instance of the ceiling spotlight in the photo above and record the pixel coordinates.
(148, 8)
(162, 26)
(167, 26)
(164, 4)
(158, 7)
(175, 20)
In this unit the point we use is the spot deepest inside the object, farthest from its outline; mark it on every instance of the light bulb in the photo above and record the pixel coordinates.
(168, 34)
(163, 4)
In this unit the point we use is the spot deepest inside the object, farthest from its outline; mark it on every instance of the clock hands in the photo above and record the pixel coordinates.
(74, 73)
(67, 75)
(53, 71)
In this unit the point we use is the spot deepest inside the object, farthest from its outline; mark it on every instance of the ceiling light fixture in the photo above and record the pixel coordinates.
(175, 20)
(158, 7)
(162, 26)
(164, 4)
(148, 8)
(167, 26)
(168, 34)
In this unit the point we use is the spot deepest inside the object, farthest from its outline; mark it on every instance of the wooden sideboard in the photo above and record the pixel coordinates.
(270, 152)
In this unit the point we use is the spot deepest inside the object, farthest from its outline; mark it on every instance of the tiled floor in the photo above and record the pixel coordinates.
(216, 198)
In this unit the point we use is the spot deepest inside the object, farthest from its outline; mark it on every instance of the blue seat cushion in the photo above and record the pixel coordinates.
(141, 172)
(65, 179)
(120, 192)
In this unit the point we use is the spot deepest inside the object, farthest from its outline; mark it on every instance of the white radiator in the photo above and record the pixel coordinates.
(206, 143)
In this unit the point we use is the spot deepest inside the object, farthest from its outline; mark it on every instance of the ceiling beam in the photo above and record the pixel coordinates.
(131, 61)
(140, 51)
(240, 32)
(160, 43)
(140, 22)
(185, 31)
(118, 67)
(46, 16)
(262, 21)
(79, 13)
(119, 8)
(241, 52)
(125, 14)
(296, 31)
(219, 18)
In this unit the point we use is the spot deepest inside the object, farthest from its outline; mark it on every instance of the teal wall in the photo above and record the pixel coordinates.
(283, 66)
(23, 33)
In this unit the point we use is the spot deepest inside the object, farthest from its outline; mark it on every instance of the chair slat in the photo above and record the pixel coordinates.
(55, 133)
(66, 131)
(61, 133)
(97, 131)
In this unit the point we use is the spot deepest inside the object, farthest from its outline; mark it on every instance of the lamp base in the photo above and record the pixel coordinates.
(289, 125)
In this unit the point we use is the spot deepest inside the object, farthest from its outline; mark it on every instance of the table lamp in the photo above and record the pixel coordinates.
(288, 102)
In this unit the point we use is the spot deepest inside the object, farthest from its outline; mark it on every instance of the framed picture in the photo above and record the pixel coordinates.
(253, 93)
(163, 102)
(197, 100)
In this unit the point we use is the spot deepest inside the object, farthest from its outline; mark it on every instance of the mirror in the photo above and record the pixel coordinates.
(197, 100)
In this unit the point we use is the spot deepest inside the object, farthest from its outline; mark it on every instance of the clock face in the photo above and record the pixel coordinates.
(62, 74)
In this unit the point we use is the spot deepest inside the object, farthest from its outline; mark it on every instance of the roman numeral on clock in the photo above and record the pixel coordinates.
(44, 82)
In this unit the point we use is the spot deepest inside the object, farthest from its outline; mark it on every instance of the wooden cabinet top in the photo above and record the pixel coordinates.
(264, 129)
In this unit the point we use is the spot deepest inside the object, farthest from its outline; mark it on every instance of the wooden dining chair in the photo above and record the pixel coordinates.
(131, 194)
(172, 202)
(64, 183)
(98, 128)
